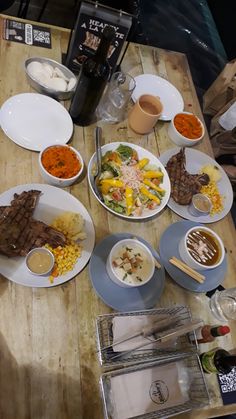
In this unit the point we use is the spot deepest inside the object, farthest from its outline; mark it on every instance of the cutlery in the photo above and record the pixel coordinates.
(163, 337)
(146, 331)
(98, 135)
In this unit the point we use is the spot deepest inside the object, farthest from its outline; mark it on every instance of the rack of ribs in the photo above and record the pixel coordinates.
(20, 232)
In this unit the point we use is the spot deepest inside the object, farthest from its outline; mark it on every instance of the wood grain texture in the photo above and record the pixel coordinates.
(48, 365)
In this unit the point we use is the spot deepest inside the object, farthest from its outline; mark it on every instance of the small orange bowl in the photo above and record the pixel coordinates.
(57, 168)
(186, 129)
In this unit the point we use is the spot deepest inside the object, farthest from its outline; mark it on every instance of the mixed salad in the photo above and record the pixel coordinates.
(129, 185)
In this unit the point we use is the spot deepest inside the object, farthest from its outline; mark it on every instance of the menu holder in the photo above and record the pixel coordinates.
(157, 389)
(85, 37)
(107, 327)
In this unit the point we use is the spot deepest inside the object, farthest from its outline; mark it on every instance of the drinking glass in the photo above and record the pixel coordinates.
(114, 102)
(223, 304)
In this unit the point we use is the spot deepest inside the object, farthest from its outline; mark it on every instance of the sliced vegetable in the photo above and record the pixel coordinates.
(151, 196)
(129, 199)
(142, 163)
(150, 174)
(125, 151)
(153, 186)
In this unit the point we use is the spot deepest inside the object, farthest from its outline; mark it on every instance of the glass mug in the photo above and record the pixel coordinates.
(113, 104)
(223, 304)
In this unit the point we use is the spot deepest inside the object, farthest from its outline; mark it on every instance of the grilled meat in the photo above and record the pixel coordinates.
(183, 184)
(20, 232)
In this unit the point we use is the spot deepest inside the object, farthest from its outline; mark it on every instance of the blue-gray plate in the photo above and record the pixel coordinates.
(169, 247)
(123, 299)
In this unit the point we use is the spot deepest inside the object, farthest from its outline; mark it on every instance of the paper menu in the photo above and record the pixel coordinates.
(148, 390)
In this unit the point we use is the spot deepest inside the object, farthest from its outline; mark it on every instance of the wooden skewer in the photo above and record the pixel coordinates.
(185, 268)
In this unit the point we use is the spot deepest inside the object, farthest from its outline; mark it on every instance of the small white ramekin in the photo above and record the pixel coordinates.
(129, 242)
(178, 138)
(56, 181)
(42, 250)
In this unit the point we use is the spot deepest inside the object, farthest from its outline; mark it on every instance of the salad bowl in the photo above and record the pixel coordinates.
(134, 183)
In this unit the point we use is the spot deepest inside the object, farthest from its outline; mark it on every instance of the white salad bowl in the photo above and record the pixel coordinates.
(117, 276)
(142, 153)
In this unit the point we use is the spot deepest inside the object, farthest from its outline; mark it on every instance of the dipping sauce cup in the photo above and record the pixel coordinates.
(145, 114)
(200, 205)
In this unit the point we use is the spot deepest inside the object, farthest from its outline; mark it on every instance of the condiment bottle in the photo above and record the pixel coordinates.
(209, 333)
(94, 73)
(217, 361)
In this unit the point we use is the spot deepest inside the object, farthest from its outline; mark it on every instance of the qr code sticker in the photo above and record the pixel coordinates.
(228, 381)
(42, 36)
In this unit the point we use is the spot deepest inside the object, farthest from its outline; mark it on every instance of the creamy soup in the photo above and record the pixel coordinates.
(132, 264)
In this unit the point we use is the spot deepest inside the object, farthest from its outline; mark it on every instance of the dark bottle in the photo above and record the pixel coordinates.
(94, 73)
(218, 361)
(209, 333)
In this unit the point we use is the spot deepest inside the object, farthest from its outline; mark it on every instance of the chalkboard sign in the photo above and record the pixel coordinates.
(85, 37)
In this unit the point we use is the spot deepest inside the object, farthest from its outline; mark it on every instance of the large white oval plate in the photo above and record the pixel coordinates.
(52, 202)
(35, 121)
(141, 154)
(195, 160)
(157, 86)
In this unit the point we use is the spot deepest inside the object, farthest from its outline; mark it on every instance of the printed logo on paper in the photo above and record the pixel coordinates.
(159, 392)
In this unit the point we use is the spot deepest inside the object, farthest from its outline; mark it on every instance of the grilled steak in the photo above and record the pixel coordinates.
(20, 232)
(183, 184)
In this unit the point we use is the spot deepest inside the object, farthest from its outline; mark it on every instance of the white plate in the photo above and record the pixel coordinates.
(141, 154)
(52, 202)
(154, 85)
(35, 121)
(194, 161)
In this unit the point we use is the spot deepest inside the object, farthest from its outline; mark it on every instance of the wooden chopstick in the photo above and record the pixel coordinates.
(186, 269)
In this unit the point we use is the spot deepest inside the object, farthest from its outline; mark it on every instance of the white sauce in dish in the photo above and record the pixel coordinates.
(131, 264)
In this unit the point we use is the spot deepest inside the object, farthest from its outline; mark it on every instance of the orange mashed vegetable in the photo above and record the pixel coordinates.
(61, 162)
(188, 126)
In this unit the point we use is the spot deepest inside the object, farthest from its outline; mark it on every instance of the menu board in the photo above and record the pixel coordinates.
(85, 37)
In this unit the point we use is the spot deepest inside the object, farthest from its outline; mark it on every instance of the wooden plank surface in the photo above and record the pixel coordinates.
(48, 362)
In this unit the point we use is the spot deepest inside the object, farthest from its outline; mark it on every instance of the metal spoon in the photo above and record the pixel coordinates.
(98, 135)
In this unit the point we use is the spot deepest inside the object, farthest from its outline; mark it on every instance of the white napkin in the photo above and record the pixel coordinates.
(148, 390)
(228, 119)
(125, 326)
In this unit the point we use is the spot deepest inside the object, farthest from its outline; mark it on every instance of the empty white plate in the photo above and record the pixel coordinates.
(35, 121)
(157, 86)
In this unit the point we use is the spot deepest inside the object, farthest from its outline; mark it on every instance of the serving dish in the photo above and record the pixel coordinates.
(52, 202)
(169, 247)
(169, 96)
(41, 87)
(179, 138)
(195, 160)
(59, 181)
(113, 295)
(142, 154)
(130, 263)
(34, 121)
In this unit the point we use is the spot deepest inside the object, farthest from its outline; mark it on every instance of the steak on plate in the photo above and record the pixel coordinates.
(20, 232)
(183, 184)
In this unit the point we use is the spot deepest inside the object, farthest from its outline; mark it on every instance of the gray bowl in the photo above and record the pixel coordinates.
(41, 88)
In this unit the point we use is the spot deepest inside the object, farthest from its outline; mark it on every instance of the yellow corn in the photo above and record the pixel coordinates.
(129, 199)
(151, 174)
(143, 163)
(146, 192)
(153, 186)
(65, 258)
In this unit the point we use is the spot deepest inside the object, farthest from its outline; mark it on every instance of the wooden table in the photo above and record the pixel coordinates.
(48, 364)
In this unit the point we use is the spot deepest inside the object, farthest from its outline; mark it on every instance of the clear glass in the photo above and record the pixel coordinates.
(223, 304)
(113, 105)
